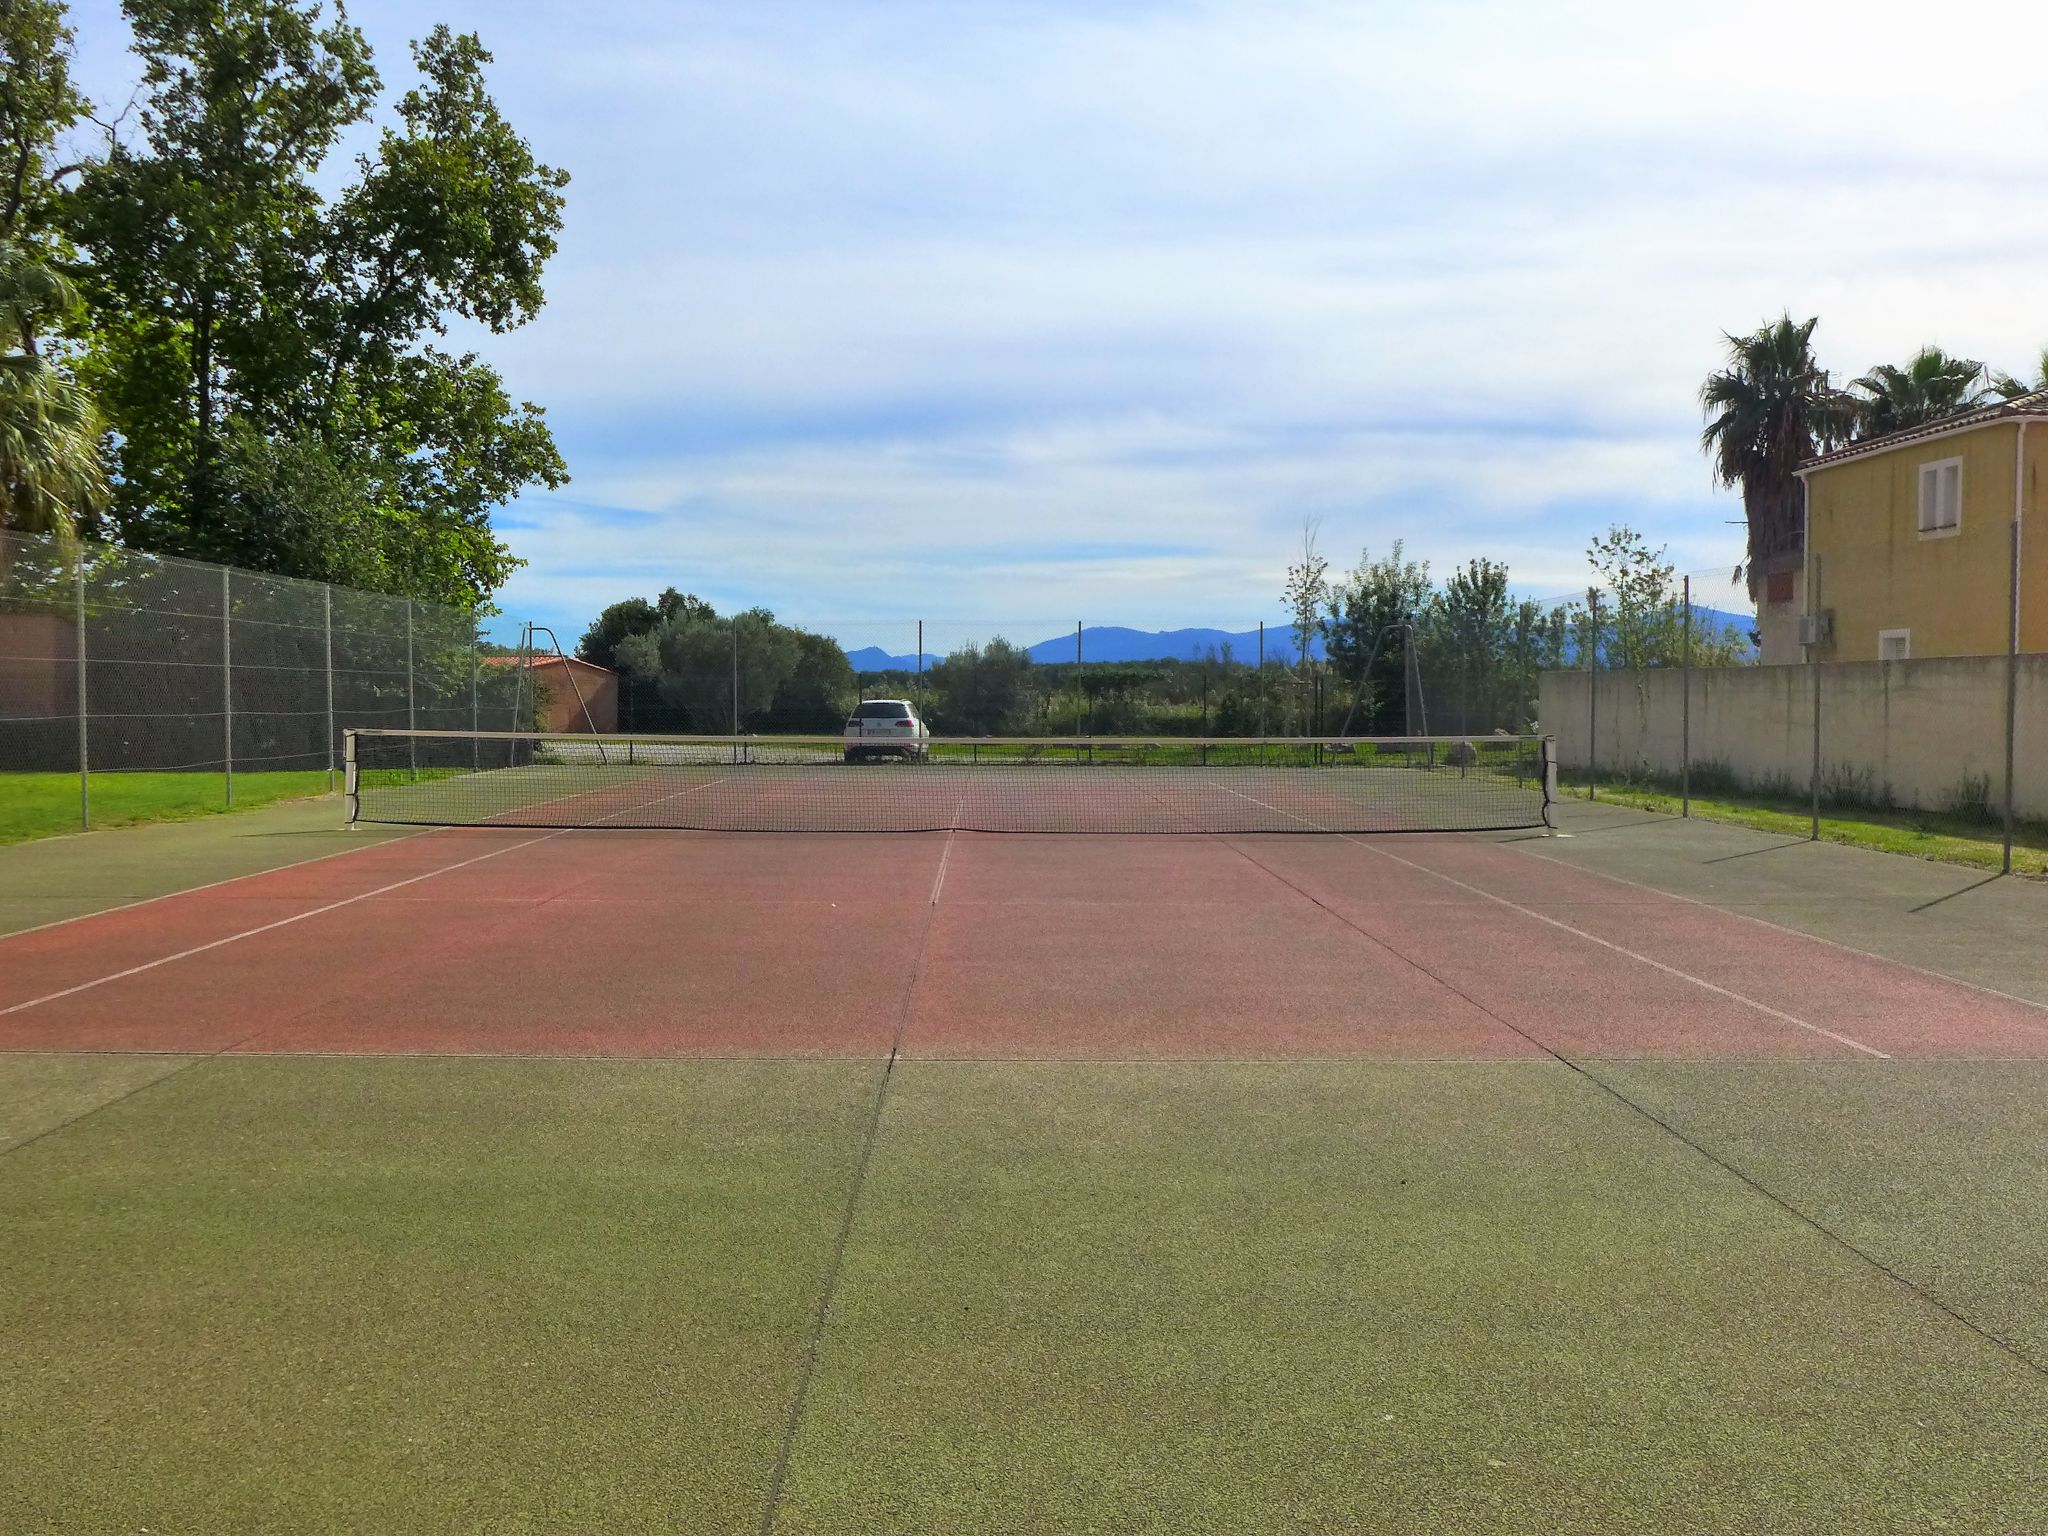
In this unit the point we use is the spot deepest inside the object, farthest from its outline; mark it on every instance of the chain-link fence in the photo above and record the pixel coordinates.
(115, 661)
(1800, 687)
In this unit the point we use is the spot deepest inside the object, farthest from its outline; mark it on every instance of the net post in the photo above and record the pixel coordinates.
(227, 684)
(1546, 747)
(348, 776)
(1685, 710)
(84, 766)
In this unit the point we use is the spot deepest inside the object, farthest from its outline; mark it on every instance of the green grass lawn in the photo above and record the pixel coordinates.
(1922, 834)
(46, 804)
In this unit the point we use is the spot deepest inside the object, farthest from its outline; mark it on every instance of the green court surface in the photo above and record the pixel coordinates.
(424, 1295)
(36, 805)
(417, 1295)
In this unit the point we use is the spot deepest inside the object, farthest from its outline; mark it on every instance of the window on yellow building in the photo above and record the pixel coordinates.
(1941, 496)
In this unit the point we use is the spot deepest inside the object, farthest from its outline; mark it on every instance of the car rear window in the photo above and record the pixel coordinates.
(882, 709)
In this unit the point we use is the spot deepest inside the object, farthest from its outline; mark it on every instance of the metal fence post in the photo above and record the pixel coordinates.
(227, 685)
(327, 623)
(1685, 710)
(1262, 679)
(1593, 697)
(920, 666)
(2012, 684)
(1813, 670)
(412, 719)
(476, 748)
(84, 767)
(1080, 686)
(735, 688)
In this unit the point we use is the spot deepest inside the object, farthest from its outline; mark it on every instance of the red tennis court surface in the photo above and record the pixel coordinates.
(501, 941)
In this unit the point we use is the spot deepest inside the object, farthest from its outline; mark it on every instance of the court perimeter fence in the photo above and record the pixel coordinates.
(114, 661)
(1681, 687)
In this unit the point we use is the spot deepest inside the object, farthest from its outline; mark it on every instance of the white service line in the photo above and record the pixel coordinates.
(1801, 933)
(1593, 938)
(939, 883)
(214, 885)
(332, 906)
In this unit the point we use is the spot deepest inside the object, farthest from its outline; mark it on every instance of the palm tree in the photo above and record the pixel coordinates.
(1931, 385)
(53, 475)
(2005, 387)
(1772, 408)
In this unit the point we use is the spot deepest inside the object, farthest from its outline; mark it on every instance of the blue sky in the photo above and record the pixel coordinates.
(1008, 314)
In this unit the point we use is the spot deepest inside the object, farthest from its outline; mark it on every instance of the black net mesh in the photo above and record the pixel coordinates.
(809, 784)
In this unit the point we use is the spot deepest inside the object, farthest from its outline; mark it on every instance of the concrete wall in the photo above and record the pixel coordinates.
(1915, 733)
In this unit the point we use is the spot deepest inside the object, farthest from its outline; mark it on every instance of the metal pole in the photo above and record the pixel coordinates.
(920, 666)
(1262, 679)
(521, 660)
(327, 626)
(412, 721)
(1080, 687)
(2012, 684)
(735, 688)
(1685, 710)
(1813, 669)
(227, 686)
(84, 768)
(1593, 698)
(476, 747)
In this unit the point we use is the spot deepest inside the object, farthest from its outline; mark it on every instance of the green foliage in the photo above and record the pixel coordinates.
(1931, 385)
(983, 690)
(230, 301)
(1358, 632)
(2006, 386)
(786, 679)
(37, 103)
(53, 478)
(1768, 410)
(1307, 594)
(634, 616)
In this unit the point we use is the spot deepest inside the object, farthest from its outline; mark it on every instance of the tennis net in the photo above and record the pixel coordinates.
(804, 784)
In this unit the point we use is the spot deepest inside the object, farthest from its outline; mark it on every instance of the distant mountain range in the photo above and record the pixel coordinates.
(1110, 642)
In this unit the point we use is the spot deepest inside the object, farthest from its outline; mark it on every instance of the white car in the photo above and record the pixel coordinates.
(886, 728)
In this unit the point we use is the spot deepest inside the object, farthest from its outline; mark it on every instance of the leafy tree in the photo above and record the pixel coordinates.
(38, 103)
(1465, 645)
(1374, 595)
(818, 689)
(228, 297)
(1306, 594)
(1768, 411)
(2006, 386)
(53, 478)
(1931, 385)
(984, 690)
(634, 616)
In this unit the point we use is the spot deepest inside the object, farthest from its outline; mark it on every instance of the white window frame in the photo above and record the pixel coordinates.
(1931, 473)
(1903, 636)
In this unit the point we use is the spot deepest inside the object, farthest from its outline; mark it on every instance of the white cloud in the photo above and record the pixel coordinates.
(914, 303)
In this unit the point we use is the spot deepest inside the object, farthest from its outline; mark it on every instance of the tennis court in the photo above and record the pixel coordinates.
(580, 1177)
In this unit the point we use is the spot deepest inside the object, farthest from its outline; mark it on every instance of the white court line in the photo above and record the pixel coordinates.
(939, 883)
(332, 906)
(214, 885)
(1594, 938)
(1801, 933)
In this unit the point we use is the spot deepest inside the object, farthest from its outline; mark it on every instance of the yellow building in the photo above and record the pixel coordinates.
(1909, 541)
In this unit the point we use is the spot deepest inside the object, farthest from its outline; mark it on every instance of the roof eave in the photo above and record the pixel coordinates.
(1907, 440)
